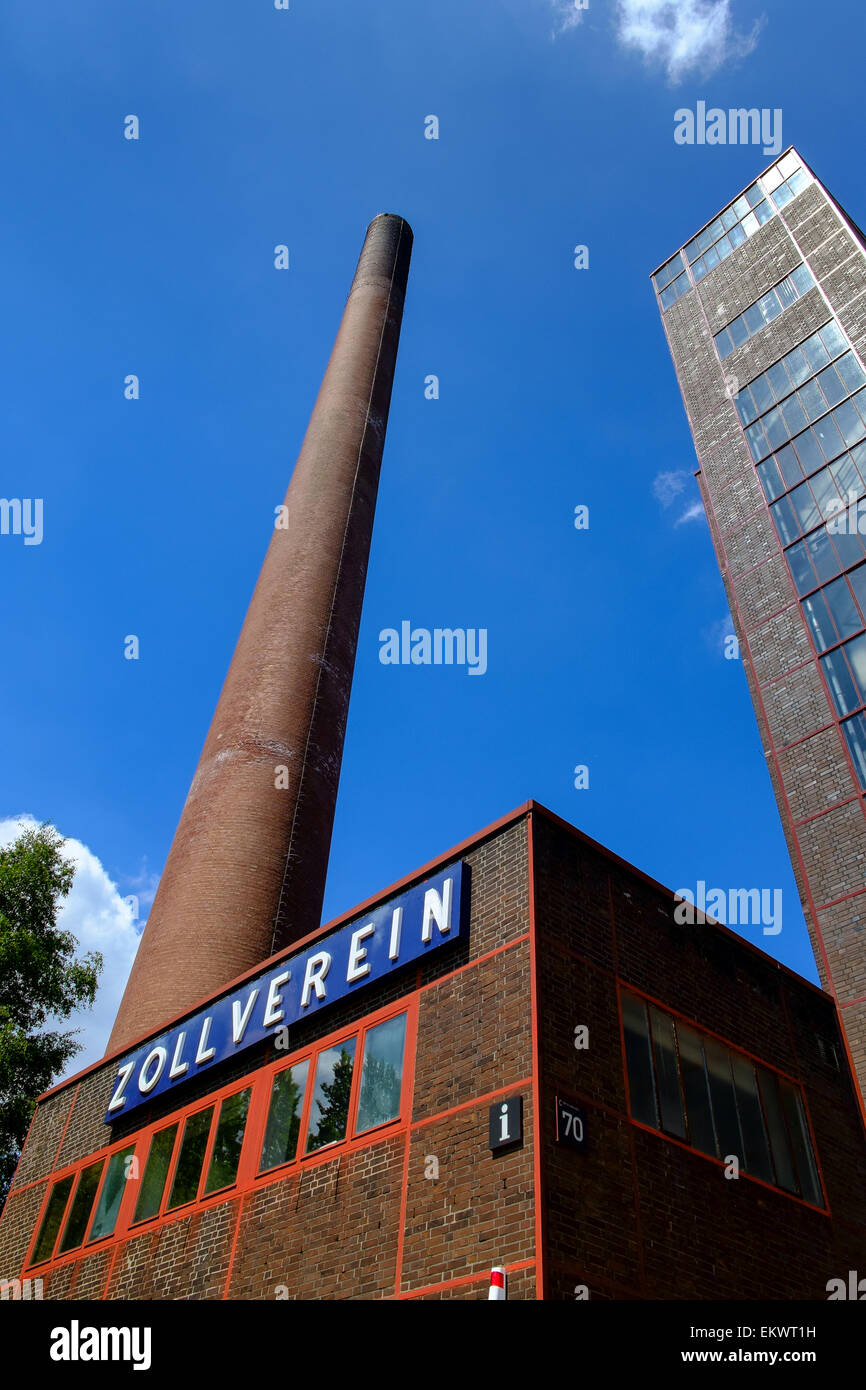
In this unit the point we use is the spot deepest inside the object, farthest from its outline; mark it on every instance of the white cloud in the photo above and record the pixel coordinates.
(684, 34)
(567, 15)
(667, 486)
(100, 920)
(692, 513)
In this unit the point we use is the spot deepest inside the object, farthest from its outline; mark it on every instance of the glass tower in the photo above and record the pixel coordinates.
(765, 315)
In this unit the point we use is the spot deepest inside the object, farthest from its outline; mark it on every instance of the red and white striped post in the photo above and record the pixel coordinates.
(497, 1283)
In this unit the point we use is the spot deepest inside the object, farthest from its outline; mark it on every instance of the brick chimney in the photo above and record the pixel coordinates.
(245, 875)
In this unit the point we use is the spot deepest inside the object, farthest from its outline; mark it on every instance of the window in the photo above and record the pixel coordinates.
(86, 1185)
(716, 242)
(381, 1074)
(226, 1152)
(329, 1111)
(357, 1085)
(764, 310)
(284, 1116)
(693, 1087)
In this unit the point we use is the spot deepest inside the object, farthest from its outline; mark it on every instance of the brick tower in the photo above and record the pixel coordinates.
(245, 875)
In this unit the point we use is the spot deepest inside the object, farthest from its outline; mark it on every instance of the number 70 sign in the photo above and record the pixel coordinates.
(570, 1125)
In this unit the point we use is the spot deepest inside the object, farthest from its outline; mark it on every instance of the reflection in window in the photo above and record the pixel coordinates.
(155, 1174)
(764, 310)
(82, 1203)
(329, 1111)
(228, 1141)
(188, 1171)
(284, 1116)
(112, 1194)
(52, 1218)
(381, 1073)
(692, 1085)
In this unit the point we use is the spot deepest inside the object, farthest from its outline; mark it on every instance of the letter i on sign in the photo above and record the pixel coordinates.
(504, 1134)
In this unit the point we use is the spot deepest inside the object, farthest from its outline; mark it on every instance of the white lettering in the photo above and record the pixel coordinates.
(437, 910)
(357, 954)
(314, 976)
(273, 1012)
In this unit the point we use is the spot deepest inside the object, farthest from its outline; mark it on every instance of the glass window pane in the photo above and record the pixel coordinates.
(839, 680)
(803, 574)
(757, 442)
(724, 346)
(789, 466)
(696, 1091)
(111, 1195)
(855, 736)
(802, 278)
(778, 380)
(754, 194)
(857, 580)
(228, 1142)
(812, 401)
(738, 331)
(754, 319)
(846, 476)
(716, 228)
(848, 422)
(741, 206)
(699, 269)
(777, 1131)
(52, 1218)
(724, 247)
(787, 164)
(770, 306)
(843, 608)
(641, 1085)
(668, 297)
(762, 395)
(856, 654)
(772, 178)
(722, 1095)
(737, 236)
(751, 1119)
(848, 546)
(693, 250)
(825, 493)
(667, 1073)
(798, 367)
(704, 239)
(782, 195)
(832, 386)
(729, 219)
(381, 1074)
(768, 475)
(329, 1111)
(775, 428)
(809, 452)
(815, 351)
(284, 1116)
(750, 224)
(787, 292)
(829, 437)
(184, 1188)
(798, 181)
(794, 417)
(785, 521)
(82, 1202)
(763, 212)
(822, 555)
(155, 1173)
(833, 338)
(850, 371)
(745, 405)
(711, 258)
(820, 623)
(805, 506)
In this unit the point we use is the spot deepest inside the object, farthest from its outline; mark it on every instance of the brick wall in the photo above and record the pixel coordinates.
(638, 1215)
(811, 773)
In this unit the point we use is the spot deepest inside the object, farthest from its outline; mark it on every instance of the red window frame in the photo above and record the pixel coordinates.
(248, 1177)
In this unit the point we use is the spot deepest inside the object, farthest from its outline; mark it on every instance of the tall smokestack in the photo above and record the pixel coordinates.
(245, 875)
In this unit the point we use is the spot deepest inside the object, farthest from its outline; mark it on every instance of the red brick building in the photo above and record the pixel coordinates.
(566, 983)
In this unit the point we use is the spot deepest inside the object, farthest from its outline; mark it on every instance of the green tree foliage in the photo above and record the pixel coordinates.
(380, 1093)
(40, 979)
(335, 1108)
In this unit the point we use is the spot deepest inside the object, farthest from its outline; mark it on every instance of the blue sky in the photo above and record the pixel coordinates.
(155, 257)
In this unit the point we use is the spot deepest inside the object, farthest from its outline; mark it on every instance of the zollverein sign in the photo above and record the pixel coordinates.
(359, 954)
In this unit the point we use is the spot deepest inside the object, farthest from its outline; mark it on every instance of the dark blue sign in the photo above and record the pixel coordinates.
(359, 954)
